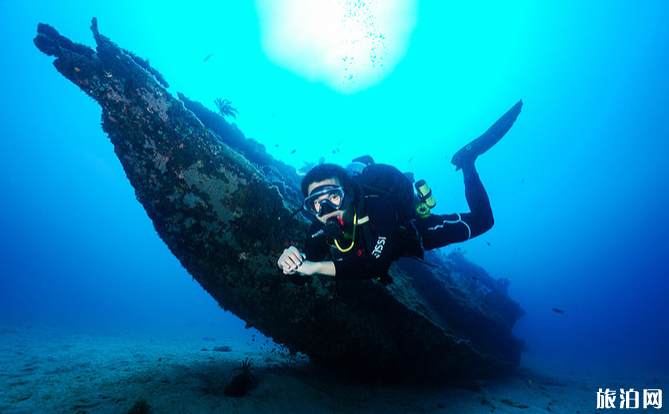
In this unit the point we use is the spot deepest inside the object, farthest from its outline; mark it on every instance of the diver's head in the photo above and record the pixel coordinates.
(328, 192)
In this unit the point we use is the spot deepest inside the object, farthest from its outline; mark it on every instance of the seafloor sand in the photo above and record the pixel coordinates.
(58, 370)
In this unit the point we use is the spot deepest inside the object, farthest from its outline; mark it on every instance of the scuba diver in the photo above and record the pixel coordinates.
(368, 217)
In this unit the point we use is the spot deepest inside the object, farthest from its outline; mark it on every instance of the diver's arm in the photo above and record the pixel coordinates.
(293, 261)
(308, 268)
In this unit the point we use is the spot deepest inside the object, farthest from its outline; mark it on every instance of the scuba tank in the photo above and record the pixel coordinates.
(425, 200)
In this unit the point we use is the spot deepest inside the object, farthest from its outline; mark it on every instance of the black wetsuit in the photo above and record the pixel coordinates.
(384, 239)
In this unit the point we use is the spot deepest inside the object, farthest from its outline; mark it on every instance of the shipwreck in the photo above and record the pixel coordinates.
(219, 202)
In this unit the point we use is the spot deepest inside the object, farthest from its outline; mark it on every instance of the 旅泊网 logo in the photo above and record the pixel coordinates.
(647, 398)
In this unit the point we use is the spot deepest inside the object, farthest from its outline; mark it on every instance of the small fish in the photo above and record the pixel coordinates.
(556, 310)
(293, 151)
(208, 56)
(276, 145)
(410, 159)
(476, 278)
(488, 243)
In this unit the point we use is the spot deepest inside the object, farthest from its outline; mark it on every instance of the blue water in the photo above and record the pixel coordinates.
(578, 186)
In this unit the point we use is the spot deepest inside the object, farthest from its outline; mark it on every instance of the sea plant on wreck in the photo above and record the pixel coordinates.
(225, 107)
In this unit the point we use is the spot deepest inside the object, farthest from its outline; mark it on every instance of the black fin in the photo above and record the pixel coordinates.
(469, 152)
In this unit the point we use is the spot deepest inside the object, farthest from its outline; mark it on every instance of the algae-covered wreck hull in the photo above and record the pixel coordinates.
(220, 203)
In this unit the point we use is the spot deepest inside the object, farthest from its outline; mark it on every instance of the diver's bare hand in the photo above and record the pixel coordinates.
(290, 260)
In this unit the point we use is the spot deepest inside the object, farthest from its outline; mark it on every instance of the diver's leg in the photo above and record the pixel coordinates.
(469, 152)
(480, 218)
(441, 230)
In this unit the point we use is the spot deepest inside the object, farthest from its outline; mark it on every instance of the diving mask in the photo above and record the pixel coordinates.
(324, 200)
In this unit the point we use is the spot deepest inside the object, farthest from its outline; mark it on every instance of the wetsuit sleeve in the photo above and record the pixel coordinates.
(441, 230)
(316, 249)
(373, 257)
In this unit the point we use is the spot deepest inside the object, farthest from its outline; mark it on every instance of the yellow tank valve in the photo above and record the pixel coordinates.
(426, 201)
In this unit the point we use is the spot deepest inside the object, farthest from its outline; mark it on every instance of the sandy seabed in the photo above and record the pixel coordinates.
(60, 370)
